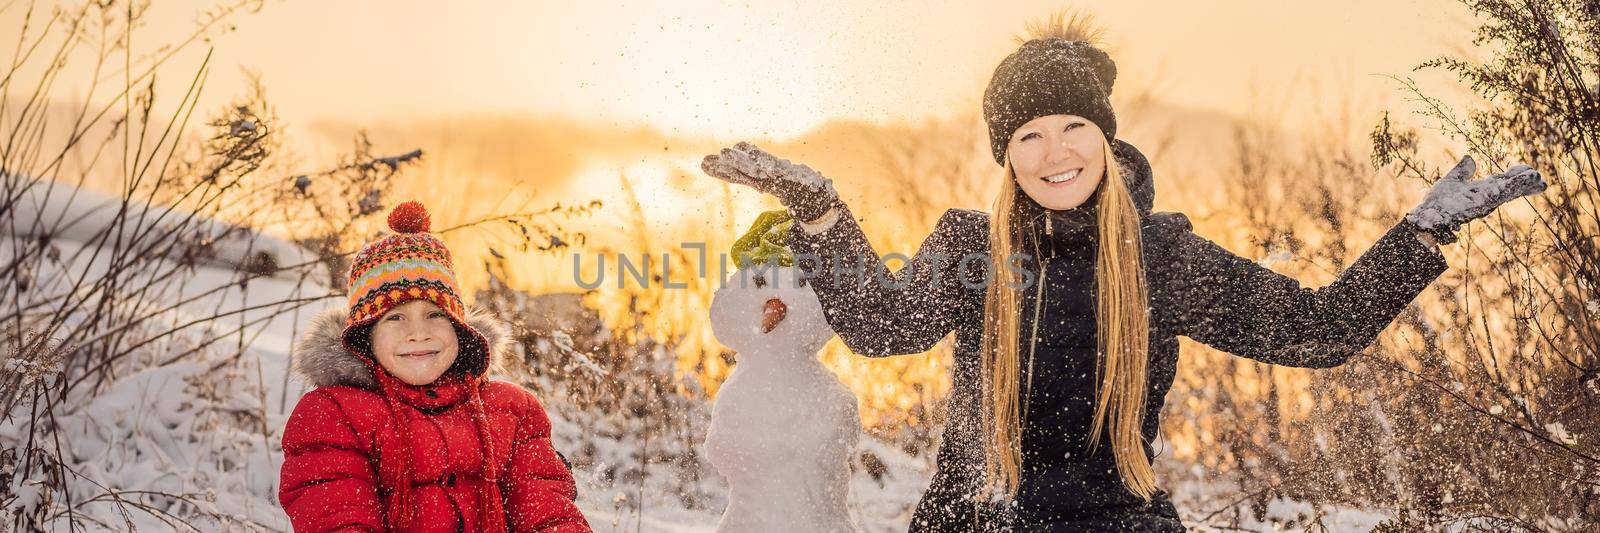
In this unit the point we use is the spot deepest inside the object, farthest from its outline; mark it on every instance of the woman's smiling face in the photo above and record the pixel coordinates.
(415, 341)
(1058, 159)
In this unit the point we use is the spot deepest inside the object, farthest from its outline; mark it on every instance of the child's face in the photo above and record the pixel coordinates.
(415, 341)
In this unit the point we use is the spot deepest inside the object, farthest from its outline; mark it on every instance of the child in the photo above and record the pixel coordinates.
(397, 432)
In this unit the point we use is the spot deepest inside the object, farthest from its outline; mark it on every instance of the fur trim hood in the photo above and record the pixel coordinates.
(319, 356)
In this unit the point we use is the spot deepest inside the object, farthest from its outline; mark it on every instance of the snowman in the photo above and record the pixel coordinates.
(782, 426)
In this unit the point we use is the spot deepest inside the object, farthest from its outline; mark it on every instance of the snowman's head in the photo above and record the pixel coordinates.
(769, 311)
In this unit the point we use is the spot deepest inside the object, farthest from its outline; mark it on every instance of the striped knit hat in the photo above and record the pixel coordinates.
(410, 264)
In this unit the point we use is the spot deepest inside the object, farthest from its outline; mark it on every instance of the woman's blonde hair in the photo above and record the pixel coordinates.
(1122, 329)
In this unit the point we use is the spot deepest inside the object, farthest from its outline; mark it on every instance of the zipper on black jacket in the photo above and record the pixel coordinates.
(1033, 336)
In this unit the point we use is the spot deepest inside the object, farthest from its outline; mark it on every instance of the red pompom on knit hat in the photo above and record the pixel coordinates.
(409, 217)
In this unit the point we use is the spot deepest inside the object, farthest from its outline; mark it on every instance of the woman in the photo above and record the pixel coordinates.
(1064, 359)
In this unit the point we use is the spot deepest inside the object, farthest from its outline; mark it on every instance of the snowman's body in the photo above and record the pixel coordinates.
(783, 426)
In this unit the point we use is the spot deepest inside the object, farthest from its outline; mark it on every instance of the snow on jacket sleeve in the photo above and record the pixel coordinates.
(1235, 305)
(539, 489)
(878, 313)
(327, 482)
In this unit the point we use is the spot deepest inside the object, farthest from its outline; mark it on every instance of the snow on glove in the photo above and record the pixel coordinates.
(1455, 199)
(804, 191)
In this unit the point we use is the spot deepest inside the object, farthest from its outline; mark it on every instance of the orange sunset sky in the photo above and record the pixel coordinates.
(772, 69)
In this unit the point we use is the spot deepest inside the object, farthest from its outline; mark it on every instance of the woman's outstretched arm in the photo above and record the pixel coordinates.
(1240, 307)
(1235, 305)
(876, 312)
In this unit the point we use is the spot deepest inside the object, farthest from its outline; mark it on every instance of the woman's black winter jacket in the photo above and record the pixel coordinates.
(1196, 289)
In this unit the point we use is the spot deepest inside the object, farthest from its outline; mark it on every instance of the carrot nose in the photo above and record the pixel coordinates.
(772, 313)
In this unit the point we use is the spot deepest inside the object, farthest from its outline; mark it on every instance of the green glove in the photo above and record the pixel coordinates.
(768, 238)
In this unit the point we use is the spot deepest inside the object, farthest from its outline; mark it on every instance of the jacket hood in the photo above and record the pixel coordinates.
(1136, 172)
(319, 356)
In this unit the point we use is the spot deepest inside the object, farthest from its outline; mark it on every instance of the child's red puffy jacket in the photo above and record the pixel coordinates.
(335, 475)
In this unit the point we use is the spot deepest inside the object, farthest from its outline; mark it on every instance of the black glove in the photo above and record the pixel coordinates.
(1454, 199)
(802, 190)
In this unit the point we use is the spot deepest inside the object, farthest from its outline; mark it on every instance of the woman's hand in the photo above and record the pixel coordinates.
(805, 192)
(1454, 200)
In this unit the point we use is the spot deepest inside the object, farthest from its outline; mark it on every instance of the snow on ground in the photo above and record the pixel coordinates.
(74, 215)
(1218, 506)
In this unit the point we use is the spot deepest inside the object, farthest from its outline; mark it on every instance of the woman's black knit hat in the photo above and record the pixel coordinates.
(1049, 76)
